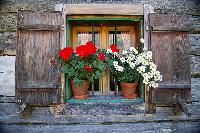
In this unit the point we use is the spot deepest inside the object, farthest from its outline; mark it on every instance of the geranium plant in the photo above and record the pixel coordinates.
(131, 66)
(86, 63)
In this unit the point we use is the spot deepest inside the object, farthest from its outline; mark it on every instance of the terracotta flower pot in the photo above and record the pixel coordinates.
(128, 90)
(80, 92)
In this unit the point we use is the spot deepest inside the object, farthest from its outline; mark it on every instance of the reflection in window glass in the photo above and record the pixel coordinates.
(123, 39)
(84, 37)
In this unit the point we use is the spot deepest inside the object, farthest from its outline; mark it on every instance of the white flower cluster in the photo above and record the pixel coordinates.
(142, 62)
(117, 67)
(148, 69)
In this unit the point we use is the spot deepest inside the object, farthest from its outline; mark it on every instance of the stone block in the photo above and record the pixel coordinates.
(7, 75)
(194, 40)
(195, 64)
(8, 21)
(8, 41)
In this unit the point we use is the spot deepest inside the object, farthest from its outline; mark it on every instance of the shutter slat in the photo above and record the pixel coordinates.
(39, 27)
(169, 22)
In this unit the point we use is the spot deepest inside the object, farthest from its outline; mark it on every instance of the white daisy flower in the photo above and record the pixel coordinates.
(115, 63)
(132, 49)
(132, 65)
(122, 59)
(124, 52)
(142, 40)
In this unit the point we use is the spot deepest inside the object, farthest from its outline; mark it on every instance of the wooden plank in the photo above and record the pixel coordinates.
(149, 107)
(39, 27)
(37, 72)
(170, 96)
(104, 17)
(40, 18)
(39, 97)
(122, 9)
(171, 49)
(35, 49)
(169, 22)
(147, 9)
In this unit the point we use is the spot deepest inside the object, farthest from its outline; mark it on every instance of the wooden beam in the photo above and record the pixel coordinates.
(149, 107)
(116, 9)
(39, 27)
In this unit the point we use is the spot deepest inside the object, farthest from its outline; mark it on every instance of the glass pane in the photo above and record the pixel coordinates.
(123, 39)
(84, 37)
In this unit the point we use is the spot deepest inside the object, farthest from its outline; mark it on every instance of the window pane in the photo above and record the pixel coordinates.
(84, 37)
(123, 39)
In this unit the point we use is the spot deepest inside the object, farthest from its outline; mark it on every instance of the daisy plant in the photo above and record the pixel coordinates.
(130, 65)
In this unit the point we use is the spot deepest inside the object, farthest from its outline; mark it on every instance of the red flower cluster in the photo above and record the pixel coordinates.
(114, 48)
(87, 49)
(101, 56)
(66, 53)
(88, 68)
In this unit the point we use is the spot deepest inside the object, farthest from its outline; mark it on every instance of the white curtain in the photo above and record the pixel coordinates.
(83, 37)
(125, 35)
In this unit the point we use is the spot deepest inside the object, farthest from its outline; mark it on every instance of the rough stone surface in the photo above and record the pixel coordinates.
(195, 64)
(194, 24)
(178, 6)
(7, 75)
(174, 127)
(194, 40)
(8, 20)
(8, 41)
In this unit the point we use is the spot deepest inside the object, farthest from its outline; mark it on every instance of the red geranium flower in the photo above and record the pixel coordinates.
(91, 48)
(66, 53)
(85, 50)
(81, 51)
(114, 48)
(88, 68)
(101, 56)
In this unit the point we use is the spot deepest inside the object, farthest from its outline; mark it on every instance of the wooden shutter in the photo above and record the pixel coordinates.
(37, 72)
(168, 40)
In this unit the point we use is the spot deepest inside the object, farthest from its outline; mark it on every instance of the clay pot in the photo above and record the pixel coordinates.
(129, 90)
(80, 92)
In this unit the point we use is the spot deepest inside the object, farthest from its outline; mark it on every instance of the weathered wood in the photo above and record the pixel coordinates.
(184, 106)
(39, 27)
(147, 9)
(39, 96)
(149, 107)
(122, 9)
(171, 55)
(169, 44)
(170, 96)
(41, 18)
(37, 71)
(166, 22)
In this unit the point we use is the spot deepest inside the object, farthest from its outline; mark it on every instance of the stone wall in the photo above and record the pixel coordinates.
(8, 24)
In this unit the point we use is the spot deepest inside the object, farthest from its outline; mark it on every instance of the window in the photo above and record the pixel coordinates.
(103, 31)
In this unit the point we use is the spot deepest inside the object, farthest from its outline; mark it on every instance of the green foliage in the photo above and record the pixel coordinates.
(74, 67)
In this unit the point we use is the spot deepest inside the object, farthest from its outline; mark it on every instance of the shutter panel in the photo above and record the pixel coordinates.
(171, 53)
(37, 72)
